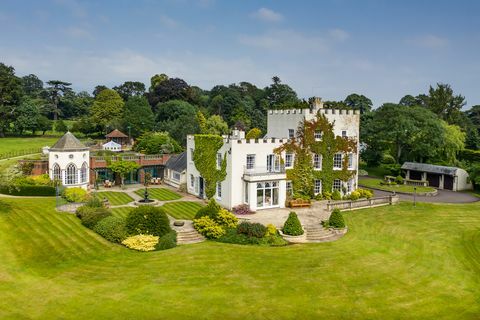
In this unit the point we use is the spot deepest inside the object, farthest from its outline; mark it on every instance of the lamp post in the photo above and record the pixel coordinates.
(414, 196)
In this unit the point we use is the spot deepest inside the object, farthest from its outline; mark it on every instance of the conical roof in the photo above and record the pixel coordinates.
(68, 143)
(116, 134)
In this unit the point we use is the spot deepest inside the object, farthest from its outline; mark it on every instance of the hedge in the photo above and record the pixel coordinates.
(39, 191)
(167, 241)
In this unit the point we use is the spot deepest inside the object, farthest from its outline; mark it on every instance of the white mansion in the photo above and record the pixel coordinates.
(255, 174)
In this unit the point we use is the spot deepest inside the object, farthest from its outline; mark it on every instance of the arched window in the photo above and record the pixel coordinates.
(71, 177)
(83, 173)
(57, 174)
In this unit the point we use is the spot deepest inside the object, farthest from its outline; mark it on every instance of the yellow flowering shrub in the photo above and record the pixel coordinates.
(271, 230)
(207, 227)
(226, 219)
(141, 242)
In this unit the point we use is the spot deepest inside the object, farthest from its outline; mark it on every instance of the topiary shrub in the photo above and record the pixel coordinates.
(141, 242)
(91, 216)
(242, 209)
(167, 241)
(256, 230)
(147, 220)
(211, 210)
(336, 195)
(111, 228)
(336, 219)
(74, 194)
(292, 226)
(226, 219)
(207, 227)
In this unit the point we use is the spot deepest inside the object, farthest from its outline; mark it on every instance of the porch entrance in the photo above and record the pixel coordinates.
(267, 194)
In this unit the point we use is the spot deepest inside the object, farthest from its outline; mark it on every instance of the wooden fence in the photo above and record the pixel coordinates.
(362, 203)
(19, 153)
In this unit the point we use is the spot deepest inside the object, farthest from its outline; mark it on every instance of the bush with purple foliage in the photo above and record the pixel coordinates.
(242, 209)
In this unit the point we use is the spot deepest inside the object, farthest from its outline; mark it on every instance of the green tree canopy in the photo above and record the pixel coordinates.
(27, 115)
(123, 168)
(10, 93)
(278, 94)
(138, 116)
(358, 102)
(130, 89)
(107, 108)
(178, 118)
(156, 143)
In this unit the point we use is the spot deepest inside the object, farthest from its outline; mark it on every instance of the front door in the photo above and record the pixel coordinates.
(201, 188)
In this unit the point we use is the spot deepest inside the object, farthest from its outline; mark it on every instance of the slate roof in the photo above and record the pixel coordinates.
(68, 143)
(430, 168)
(116, 134)
(177, 162)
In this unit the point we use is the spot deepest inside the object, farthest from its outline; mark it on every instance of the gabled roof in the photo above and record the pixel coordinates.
(177, 162)
(430, 168)
(68, 143)
(116, 134)
(112, 144)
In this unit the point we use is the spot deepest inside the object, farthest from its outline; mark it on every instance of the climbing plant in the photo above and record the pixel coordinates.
(205, 158)
(304, 146)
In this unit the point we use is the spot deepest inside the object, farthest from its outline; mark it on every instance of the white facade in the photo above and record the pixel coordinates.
(255, 175)
(174, 178)
(68, 162)
(112, 146)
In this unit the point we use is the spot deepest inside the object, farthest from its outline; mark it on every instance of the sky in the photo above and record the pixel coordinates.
(326, 48)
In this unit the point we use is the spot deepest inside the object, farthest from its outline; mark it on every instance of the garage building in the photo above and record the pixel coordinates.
(441, 177)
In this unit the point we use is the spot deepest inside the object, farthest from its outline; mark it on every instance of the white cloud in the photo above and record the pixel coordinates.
(267, 15)
(78, 32)
(338, 34)
(168, 22)
(429, 41)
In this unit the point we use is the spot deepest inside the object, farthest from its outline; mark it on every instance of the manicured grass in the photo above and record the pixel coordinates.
(161, 194)
(18, 144)
(121, 212)
(395, 262)
(378, 172)
(115, 198)
(375, 183)
(184, 210)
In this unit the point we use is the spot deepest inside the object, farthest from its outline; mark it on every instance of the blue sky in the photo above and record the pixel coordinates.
(382, 49)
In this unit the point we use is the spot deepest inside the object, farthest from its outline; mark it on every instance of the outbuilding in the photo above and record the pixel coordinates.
(440, 177)
(112, 146)
(176, 170)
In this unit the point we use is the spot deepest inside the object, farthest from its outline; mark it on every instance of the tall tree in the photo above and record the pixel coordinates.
(107, 108)
(130, 89)
(170, 89)
(278, 94)
(32, 85)
(358, 102)
(138, 116)
(56, 89)
(26, 116)
(10, 93)
(98, 89)
(177, 118)
(444, 103)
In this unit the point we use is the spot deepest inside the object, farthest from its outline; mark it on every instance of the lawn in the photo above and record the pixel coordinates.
(161, 194)
(115, 198)
(375, 184)
(394, 263)
(121, 212)
(184, 210)
(18, 144)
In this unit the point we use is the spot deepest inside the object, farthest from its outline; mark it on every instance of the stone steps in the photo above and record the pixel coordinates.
(189, 236)
(319, 234)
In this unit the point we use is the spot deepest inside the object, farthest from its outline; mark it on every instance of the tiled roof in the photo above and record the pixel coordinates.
(68, 143)
(430, 168)
(177, 162)
(116, 134)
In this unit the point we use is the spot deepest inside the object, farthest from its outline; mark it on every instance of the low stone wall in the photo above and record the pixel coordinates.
(294, 239)
(69, 207)
(362, 203)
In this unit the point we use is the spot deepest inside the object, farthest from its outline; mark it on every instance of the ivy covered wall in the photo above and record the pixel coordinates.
(205, 159)
(304, 146)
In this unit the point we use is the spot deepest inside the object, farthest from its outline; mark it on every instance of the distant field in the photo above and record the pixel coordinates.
(18, 144)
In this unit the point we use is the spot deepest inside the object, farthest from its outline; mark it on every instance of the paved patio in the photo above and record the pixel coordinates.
(308, 216)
